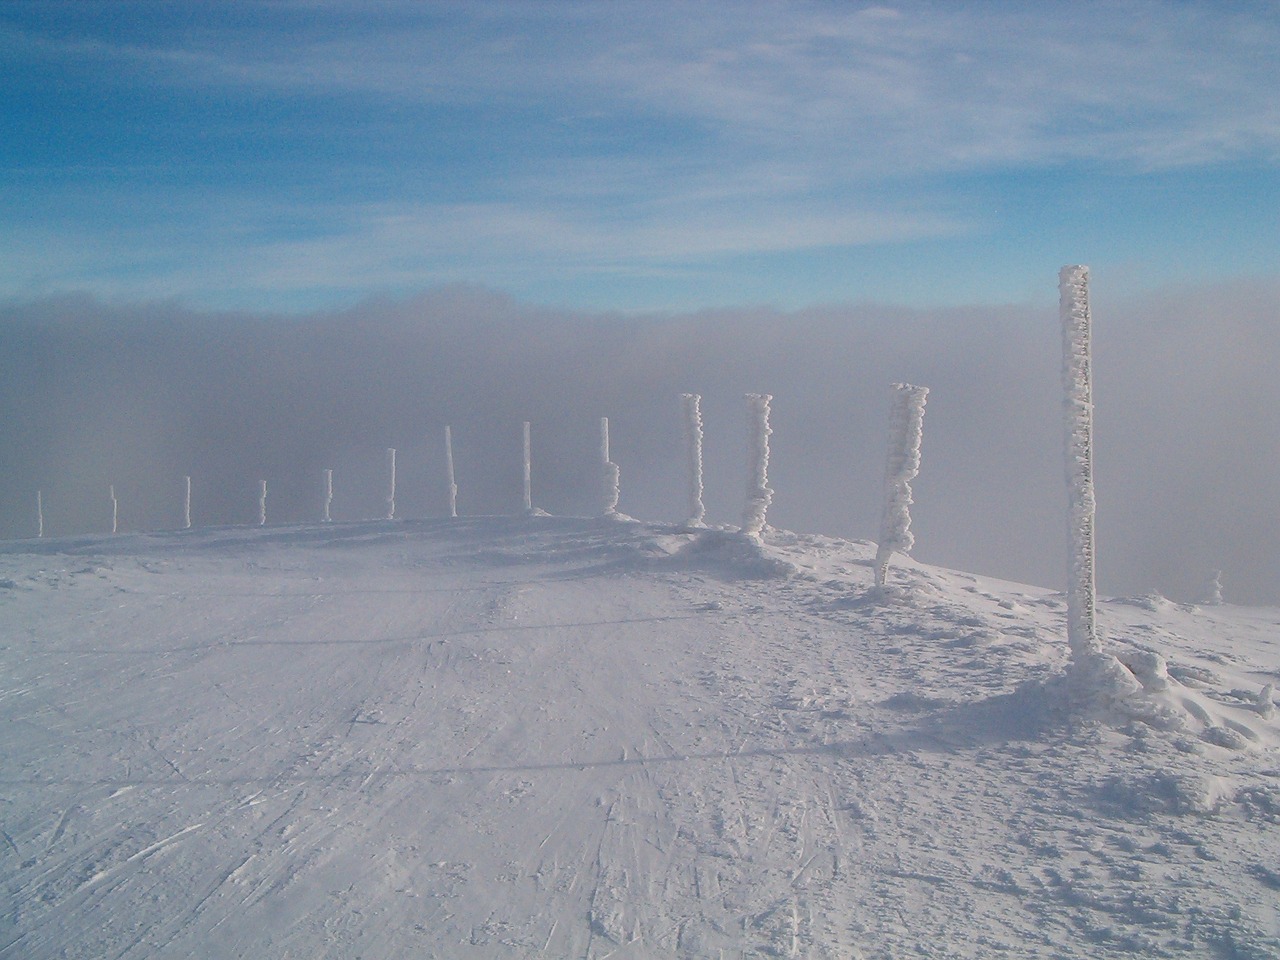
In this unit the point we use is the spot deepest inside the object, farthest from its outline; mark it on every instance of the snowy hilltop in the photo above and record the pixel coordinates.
(547, 737)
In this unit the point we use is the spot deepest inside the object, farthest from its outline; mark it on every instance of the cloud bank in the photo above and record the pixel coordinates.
(140, 395)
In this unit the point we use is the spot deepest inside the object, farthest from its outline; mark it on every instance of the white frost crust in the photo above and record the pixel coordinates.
(391, 483)
(448, 469)
(906, 431)
(328, 496)
(759, 495)
(1077, 381)
(528, 473)
(610, 482)
(692, 407)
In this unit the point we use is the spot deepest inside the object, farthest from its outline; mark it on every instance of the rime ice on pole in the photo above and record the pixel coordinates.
(325, 516)
(115, 508)
(40, 513)
(262, 504)
(1095, 677)
(759, 495)
(528, 472)
(448, 468)
(906, 430)
(1077, 382)
(391, 483)
(609, 473)
(691, 404)
(186, 506)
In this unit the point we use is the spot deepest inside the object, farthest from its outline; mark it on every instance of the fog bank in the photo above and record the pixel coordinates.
(1188, 445)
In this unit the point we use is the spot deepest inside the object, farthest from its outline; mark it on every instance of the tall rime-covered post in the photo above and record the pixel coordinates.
(40, 513)
(262, 504)
(528, 473)
(391, 483)
(186, 505)
(448, 469)
(1077, 380)
(691, 404)
(327, 502)
(610, 484)
(906, 431)
(759, 496)
(115, 508)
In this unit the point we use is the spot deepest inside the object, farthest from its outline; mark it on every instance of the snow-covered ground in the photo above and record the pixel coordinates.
(536, 736)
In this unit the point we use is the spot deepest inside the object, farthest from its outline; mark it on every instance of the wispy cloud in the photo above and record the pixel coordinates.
(933, 86)
(414, 140)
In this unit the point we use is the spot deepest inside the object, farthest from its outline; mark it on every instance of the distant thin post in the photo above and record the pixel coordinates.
(391, 483)
(609, 474)
(262, 504)
(528, 473)
(328, 496)
(186, 507)
(448, 469)
(115, 508)
(39, 513)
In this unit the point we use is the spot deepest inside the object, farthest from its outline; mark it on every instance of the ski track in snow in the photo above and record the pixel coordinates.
(543, 737)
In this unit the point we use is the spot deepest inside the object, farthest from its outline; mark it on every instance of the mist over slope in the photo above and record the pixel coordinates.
(141, 395)
(513, 737)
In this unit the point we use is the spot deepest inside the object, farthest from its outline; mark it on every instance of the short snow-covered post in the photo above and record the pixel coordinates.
(1213, 596)
(40, 513)
(609, 473)
(448, 469)
(391, 483)
(115, 508)
(186, 506)
(906, 430)
(759, 496)
(528, 473)
(262, 504)
(326, 516)
(692, 407)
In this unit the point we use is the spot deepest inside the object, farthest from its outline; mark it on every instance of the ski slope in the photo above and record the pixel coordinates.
(548, 737)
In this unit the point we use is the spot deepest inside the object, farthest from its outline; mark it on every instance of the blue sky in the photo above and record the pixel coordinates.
(634, 156)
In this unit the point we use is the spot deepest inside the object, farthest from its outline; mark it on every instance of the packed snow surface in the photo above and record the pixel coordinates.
(545, 737)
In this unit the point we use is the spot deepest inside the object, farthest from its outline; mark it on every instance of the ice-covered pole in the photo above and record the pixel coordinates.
(115, 508)
(528, 473)
(262, 504)
(1213, 597)
(448, 469)
(186, 505)
(391, 483)
(906, 430)
(39, 513)
(611, 489)
(1077, 380)
(692, 406)
(326, 516)
(759, 496)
